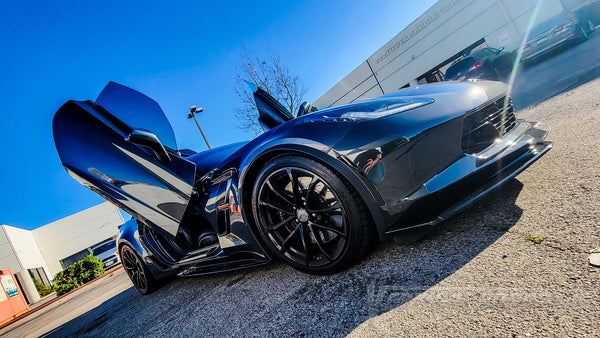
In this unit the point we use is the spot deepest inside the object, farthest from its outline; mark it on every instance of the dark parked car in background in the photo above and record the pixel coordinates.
(486, 63)
(559, 31)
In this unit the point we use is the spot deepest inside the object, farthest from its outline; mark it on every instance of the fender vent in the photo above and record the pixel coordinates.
(483, 125)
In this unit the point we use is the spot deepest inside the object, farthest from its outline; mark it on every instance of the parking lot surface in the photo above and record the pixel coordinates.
(66, 308)
(478, 274)
(558, 71)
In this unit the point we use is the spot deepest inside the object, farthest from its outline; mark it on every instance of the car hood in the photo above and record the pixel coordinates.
(449, 96)
(210, 159)
(478, 90)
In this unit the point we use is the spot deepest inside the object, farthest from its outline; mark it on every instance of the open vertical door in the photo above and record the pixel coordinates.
(123, 147)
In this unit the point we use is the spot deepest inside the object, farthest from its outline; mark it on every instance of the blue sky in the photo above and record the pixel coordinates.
(179, 53)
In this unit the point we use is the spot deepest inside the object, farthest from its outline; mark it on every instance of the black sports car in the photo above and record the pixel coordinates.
(315, 190)
(484, 64)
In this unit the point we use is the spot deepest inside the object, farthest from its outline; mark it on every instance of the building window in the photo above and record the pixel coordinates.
(39, 273)
(75, 258)
(81, 254)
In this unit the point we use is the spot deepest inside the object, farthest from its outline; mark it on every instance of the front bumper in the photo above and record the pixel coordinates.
(472, 177)
(111, 261)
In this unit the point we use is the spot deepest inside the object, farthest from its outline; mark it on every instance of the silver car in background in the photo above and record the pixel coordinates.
(558, 31)
(107, 253)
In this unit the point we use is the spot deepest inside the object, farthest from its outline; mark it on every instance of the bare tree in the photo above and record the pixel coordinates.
(272, 77)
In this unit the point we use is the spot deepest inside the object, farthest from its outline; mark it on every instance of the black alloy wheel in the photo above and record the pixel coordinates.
(309, 217)
(137, 270)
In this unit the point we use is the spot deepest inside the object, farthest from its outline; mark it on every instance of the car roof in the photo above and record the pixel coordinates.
(478, 54)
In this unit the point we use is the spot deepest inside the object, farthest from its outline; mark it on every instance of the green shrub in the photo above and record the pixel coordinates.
(64, 287)
(42, 288)
(78, 274)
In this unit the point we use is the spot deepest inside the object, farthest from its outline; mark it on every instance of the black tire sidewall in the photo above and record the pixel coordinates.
(351, 214)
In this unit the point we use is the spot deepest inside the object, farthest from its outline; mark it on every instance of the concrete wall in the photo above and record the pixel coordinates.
(74, 233)
(25, 249)
(443, 31)
(8, 257)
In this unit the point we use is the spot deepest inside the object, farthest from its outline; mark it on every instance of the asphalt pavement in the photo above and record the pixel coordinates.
(479, 274)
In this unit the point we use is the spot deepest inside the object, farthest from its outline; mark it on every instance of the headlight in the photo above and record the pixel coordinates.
(367, 110)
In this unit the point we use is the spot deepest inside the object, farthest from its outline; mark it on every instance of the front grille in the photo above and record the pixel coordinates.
(483, 125)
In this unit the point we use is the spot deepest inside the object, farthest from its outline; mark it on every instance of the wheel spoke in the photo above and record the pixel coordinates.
(127, 260)
(142, 280)
(319, 243)
(278, 194)
(334, 210)
(323, 190)
(134, 278)
(311, 187)
(285, 245)
(270, 205)
(330, 200)
(320, 226)
(278, 225)
(336, 223)
(295, 188)
(305, 245)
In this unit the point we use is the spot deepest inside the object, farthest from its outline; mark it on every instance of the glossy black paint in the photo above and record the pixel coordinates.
(485, 64)
(93, 147)
(408, 166)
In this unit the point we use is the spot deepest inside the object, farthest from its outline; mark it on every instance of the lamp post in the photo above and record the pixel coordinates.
(191, 115)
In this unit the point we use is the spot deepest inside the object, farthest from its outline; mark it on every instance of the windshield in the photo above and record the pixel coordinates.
(112, 245)
(459, 68)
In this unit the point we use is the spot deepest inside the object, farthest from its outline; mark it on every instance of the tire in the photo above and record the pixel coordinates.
(137, 270)
(309, 217)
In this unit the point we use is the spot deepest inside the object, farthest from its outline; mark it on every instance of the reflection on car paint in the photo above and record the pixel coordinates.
(409, 168)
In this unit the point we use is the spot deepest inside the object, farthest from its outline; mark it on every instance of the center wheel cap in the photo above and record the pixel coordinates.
(302, 215)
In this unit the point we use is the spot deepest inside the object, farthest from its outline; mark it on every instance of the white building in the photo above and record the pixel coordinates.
(423, 50)
(47, 250)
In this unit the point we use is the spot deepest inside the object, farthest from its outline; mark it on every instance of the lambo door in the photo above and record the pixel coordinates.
(271, 113)
(122, 147)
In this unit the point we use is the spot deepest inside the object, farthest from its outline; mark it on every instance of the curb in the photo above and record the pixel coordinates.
(59, 298)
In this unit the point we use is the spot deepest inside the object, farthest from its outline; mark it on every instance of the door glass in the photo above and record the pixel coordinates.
(137, 111)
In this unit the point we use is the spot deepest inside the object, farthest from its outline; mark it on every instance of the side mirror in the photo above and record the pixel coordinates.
(147, 139)
(499, 50)
(305, 108)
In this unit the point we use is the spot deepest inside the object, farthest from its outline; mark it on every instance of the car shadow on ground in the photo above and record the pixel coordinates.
(276, 300)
